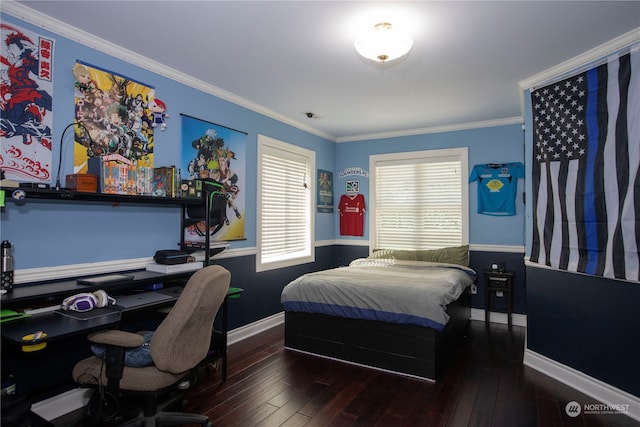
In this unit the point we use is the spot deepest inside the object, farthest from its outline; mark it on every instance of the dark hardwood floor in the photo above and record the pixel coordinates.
(487, 385)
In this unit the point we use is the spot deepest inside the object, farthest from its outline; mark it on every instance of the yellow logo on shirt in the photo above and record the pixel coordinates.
(495, 185)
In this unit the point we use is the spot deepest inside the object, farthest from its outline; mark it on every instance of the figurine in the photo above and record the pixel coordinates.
(158, 108)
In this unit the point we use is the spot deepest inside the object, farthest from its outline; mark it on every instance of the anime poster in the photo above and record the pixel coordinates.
(325, 191)
(26, 94)
(216, 154)
(119, 114)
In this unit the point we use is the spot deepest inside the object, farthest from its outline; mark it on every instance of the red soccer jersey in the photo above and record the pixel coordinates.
(351, 210)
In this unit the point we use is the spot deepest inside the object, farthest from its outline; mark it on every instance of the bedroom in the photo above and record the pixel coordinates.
(491, 239)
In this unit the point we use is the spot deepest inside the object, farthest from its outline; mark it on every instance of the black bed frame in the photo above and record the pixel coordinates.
(404, 349)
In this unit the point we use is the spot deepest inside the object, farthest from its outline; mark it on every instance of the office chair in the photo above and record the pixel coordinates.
(177, 347)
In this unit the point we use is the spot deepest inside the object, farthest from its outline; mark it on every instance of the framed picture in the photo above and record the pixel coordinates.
(325, 191)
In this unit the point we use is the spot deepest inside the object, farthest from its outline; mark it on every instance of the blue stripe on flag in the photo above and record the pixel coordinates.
(592, 150)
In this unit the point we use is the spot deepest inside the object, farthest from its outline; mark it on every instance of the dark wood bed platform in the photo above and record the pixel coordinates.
(403, 349)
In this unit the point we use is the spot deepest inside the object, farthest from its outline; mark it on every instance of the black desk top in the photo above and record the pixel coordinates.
(59, 324)
(55, 325)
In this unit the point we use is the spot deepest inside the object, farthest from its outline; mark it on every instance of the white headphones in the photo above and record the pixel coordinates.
(87, 301)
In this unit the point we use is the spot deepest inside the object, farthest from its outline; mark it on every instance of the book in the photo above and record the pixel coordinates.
(163, 181)
(144, 179)
(174, 268)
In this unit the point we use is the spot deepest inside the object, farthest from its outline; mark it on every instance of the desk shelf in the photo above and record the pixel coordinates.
(69, 195)
(53, 292)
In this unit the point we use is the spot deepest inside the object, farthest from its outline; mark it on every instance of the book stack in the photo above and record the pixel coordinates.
(116, 174)
(119, 175)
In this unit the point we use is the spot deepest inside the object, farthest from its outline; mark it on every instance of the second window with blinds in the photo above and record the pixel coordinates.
(419, 200)
(285, 204)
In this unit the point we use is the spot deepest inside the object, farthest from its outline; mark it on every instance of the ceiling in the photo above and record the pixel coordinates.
(288, 58)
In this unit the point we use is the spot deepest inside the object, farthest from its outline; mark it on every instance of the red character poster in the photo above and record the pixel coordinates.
(26, 88)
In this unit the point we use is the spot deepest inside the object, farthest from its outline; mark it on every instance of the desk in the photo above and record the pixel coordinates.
(58, 326)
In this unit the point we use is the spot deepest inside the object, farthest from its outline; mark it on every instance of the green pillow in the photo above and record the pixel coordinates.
(453, 255)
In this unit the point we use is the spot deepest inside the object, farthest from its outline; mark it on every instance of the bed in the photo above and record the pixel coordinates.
(398, 311)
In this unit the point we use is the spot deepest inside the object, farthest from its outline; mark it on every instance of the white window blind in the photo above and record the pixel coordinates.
(420, 201)
(285, 204)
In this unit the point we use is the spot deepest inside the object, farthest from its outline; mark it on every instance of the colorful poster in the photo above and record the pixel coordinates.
(119, 114)
(26, 95)
(216, 154)
(325, 191)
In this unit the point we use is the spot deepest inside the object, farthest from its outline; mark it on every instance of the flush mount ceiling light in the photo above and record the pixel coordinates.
(384, 43)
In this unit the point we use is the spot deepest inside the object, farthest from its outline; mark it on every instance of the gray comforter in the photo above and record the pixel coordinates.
(388, 290)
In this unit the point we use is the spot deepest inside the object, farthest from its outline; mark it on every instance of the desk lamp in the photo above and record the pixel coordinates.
(90, 151)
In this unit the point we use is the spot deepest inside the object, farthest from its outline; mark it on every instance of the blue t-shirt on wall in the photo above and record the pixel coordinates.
(497, 185)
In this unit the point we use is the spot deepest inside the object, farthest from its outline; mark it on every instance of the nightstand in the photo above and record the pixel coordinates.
(498, 282)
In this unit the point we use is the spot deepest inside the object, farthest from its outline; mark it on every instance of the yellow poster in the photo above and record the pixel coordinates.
(118, 114)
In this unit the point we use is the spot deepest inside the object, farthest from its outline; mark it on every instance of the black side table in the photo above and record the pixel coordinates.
(498, 282)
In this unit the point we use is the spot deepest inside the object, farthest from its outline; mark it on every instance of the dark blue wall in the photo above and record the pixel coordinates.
(588, 323)
(261, 296)
(262, 290)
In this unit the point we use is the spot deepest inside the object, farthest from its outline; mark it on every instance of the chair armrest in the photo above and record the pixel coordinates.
(116, 343)
(116, 338)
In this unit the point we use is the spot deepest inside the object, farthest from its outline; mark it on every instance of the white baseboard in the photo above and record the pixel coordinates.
(592, 387)
(254, 328)
(62, 404)
(496, 317)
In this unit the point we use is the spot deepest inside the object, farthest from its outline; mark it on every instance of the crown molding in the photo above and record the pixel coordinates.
(48, 23)
(434, 129)
(595, 54)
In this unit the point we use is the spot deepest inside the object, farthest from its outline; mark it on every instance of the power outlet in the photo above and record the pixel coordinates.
(474, 289)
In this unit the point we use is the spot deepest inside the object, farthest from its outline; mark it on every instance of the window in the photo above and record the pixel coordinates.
(285, 204)
(419, 200)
